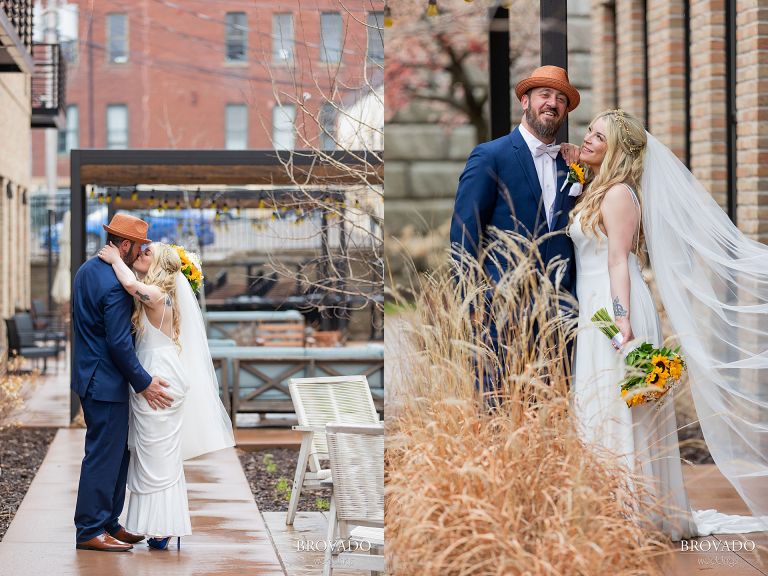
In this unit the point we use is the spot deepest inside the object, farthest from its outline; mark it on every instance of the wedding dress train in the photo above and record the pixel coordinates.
(644, 437)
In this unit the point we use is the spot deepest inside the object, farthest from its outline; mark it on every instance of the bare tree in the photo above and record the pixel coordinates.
(442, 61)
(338, 119)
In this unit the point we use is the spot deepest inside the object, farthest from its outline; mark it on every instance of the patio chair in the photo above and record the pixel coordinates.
(357, 475)
(317, 402)
(31, 336)
(44, 319)
(25, 345)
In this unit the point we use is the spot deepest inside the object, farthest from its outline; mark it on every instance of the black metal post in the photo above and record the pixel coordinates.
(499, 86)
(688, 103)
(553, 27)
(77, 252)
(730, 106)
(346, 273)
(51, 222)
(325, 259)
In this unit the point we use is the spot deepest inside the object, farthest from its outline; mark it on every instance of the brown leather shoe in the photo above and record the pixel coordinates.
(124, 536)
(103, 543)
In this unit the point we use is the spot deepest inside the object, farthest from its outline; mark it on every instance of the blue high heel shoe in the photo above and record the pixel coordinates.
(162, 543)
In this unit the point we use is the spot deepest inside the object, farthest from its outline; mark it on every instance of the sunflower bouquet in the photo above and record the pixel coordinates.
(190, 267)
(652, 372)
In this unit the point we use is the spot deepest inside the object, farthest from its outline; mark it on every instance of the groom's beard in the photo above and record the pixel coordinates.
(543, 128)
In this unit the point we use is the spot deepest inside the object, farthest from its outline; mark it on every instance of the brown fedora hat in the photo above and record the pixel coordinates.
(551, 77)
(128, 227)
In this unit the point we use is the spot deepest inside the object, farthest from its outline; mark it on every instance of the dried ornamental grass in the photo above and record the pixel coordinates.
(511, 490)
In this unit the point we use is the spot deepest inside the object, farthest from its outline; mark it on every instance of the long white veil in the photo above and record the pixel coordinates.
(713, 282)
(206, 427)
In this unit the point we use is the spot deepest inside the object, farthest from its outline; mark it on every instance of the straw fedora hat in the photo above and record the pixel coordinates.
(551, 77)
(128, 227)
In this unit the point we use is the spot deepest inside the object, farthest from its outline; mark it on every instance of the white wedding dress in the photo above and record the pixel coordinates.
(158, 504)
(643, 438)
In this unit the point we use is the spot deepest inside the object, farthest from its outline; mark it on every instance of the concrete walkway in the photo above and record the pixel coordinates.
(229, 537)
(707, 488)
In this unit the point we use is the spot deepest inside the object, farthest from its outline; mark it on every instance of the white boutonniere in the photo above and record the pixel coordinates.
(576, 176)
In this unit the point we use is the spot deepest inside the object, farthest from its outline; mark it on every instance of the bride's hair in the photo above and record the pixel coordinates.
(623, 163)
(166, 263)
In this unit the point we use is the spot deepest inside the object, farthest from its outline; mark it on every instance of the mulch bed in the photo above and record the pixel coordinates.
(21, 452)
(270, 475)
(692, 446)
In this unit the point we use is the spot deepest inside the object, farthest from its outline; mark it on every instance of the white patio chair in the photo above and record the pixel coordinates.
(317, 402)
(357, 473)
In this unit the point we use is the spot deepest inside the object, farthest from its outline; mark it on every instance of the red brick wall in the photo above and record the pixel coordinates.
(752, 117)
(666, 80)
(708, 96)
(176, 82)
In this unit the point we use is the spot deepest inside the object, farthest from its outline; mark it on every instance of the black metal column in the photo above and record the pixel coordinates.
(325, 244)
(77, 252)
(499, 86)
(730, 105)
(51, 224)
(553, 27)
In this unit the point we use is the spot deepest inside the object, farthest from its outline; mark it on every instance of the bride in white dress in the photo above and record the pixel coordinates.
(170, 341)
(607, 228)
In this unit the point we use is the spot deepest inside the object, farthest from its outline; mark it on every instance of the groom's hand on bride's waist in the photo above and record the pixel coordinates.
(155, 396)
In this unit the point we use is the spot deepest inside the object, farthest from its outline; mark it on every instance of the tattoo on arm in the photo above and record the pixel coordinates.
(142, 297)
(618, 309)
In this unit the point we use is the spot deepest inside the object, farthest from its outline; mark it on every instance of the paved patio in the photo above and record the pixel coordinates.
(231, 535)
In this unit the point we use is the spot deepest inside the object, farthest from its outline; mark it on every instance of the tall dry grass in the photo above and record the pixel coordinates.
(502, 487)
(13, 388)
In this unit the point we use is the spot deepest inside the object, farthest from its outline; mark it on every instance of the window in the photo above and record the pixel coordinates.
(117, 126)
(69, 138)
(282, 126)
(327, 121)
(236, 127)
(117, 38)
(375, 37)
(282, 38)
(236, 37)
(330, 37)
(69, 31)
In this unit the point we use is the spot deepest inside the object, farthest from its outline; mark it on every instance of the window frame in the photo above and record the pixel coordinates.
(229, 29)
(324, 52)
(109, 35)
(276, 109)
(109, 131)
(229, 133)
(275, 21)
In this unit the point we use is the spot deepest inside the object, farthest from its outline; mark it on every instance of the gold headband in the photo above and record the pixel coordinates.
(620, 116)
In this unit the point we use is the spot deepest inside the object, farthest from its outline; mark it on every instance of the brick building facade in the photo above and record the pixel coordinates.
(16, 67)
(694, 70)
(159, 74)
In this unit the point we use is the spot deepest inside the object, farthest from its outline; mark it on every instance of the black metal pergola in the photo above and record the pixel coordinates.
(308, 177)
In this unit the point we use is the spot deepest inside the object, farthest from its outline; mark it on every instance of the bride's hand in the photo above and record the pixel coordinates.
(571, 152)
(109, 253)
(625, 329)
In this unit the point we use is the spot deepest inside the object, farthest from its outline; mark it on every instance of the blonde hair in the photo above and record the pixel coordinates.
(166, 263)
(623, 163)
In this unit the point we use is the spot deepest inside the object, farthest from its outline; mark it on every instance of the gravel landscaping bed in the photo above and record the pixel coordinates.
(21, 452)
(270, 475)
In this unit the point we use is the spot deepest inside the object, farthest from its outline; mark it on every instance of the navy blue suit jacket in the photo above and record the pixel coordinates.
(105, 359)
(499, 187)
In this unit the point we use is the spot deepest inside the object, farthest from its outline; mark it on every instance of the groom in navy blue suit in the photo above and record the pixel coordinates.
(104, 364)
(515, 183)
